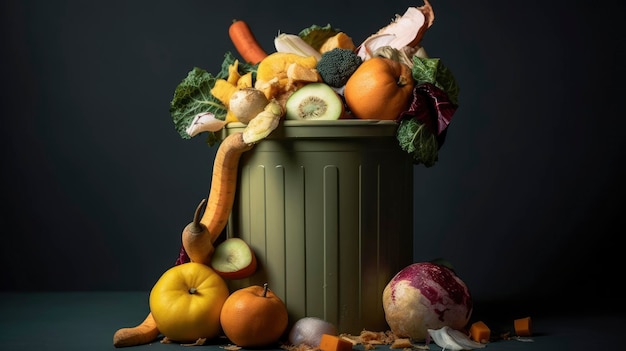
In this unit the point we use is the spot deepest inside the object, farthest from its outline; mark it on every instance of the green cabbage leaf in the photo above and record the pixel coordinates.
(193, 96)
(432, 70)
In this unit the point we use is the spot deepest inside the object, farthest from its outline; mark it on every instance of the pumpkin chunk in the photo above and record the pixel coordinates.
(522, 326)
(334, 343)
(480, 332)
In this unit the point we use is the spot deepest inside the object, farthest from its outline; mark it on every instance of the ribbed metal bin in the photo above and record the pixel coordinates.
(327, 207)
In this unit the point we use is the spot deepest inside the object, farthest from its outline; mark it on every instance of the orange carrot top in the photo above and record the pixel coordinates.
(245, 42)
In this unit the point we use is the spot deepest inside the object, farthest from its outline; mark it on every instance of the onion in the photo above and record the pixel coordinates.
(309, 330)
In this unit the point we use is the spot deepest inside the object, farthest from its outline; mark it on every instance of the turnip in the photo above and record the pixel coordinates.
(426, 296)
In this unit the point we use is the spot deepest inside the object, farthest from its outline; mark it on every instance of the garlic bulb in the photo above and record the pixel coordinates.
(204, 122)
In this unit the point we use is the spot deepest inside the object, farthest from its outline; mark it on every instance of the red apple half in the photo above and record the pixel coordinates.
(234, 259)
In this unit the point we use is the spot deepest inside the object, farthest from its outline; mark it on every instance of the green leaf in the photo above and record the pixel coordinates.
(432, 70)
(243, 67)
(193, 96)
(316, 35)
(415, 138)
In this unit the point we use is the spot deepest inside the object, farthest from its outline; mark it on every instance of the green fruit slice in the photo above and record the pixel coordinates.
(314, 101)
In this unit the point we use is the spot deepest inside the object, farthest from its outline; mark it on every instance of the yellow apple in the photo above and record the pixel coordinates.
(186, 302)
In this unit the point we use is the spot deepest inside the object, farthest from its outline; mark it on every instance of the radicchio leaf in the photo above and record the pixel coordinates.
(423, 126)
(182, 257)
(440, 103)
(430, 105)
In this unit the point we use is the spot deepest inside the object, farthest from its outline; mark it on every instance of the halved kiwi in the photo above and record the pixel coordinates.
(314, 101)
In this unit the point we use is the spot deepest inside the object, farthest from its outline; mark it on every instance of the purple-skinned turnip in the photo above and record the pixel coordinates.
(424, 296)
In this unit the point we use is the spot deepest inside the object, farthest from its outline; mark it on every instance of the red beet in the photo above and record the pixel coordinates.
(426, 296)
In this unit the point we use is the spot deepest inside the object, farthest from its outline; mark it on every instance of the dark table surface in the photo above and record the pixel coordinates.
(87, 320)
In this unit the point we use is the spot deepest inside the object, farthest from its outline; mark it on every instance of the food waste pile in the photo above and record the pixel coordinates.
(318, 74)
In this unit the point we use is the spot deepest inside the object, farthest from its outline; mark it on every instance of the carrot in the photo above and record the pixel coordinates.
(143, 333)
(245, 42)
(223, 185)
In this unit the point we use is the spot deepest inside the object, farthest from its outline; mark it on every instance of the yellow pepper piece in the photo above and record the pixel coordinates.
(223, 90)
(275, 66)
(245, 81)
(230, 117)
(233, 72)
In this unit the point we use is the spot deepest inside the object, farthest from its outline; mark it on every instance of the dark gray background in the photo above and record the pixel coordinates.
(526, 200)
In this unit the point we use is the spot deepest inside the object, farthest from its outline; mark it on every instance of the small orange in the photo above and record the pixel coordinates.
(254, 317)
(380, 88)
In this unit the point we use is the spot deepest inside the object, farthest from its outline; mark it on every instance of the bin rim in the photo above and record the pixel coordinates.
(316, 129)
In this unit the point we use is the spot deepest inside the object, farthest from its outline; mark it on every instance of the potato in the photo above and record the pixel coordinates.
(247, 103)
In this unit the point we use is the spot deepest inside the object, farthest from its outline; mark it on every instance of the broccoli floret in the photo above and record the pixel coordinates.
(337, 65)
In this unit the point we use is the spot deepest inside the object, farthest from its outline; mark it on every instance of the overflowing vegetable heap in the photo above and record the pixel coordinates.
(321, 55)
(318, 74)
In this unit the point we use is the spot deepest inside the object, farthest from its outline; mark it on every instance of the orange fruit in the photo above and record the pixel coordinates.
(254, 317)
(380, 88)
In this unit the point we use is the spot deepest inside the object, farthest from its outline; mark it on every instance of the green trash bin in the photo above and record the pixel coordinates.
(327, 207)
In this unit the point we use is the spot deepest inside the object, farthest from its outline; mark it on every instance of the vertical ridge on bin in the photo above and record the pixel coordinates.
(349, 280)
(361, 243)
(275, 233)
(381, 260)
(330, 241)
(295, 252)
(258, 210)
(243, 194)
(369, 197)
(314, 236)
